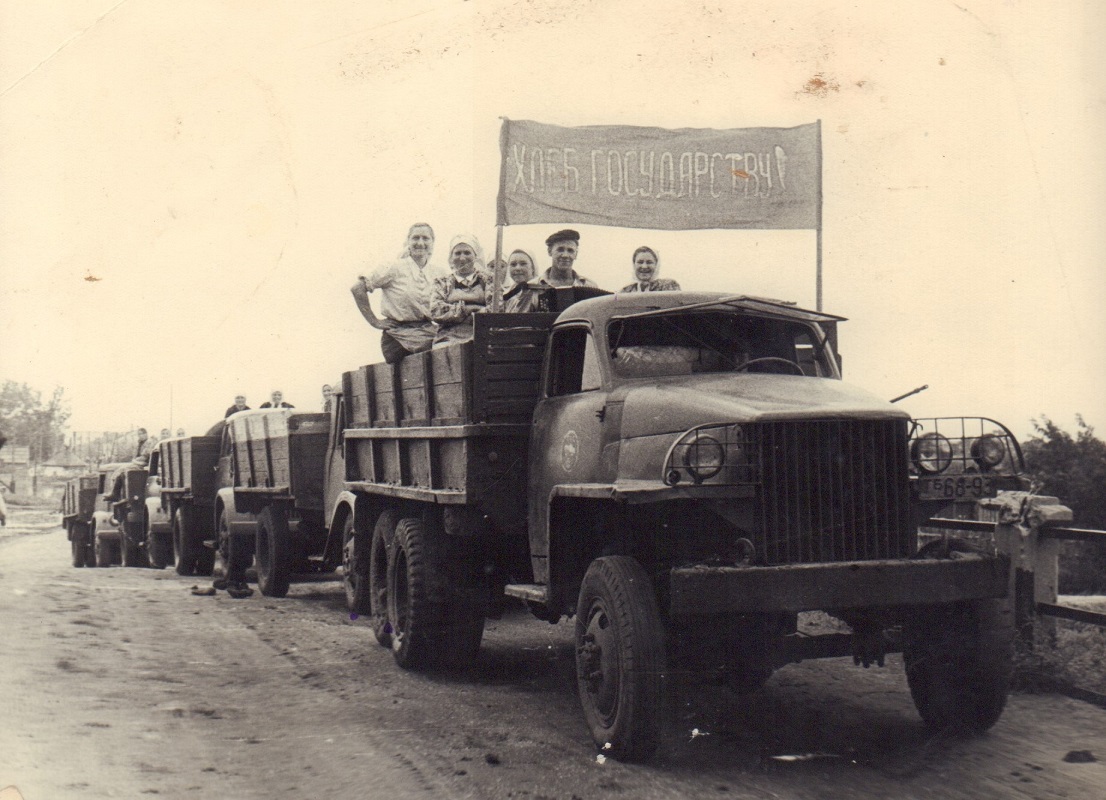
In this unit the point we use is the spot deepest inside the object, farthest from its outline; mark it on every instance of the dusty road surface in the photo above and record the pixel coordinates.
(119, 683)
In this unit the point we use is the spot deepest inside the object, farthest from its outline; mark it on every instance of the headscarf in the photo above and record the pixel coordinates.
(633, 263)
(533, 263)
(477, 250)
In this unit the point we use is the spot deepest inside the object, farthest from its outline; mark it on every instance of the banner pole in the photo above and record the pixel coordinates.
(497, 274)
(818, 273)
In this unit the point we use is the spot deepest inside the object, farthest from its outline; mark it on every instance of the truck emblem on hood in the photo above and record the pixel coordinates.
(570, 451)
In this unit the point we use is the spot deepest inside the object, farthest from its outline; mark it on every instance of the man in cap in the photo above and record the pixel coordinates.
(563, 247)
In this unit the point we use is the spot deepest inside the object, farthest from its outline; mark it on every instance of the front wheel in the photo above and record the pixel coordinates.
(274, 552)
(959, 659)
(620, 658)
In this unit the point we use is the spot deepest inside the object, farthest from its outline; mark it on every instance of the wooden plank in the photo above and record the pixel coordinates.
(514, 371)
(523, 390)
(497, 354)
(519, 336)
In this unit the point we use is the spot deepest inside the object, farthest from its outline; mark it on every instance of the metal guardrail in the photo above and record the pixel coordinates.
(1067, 612)
(1045, 532)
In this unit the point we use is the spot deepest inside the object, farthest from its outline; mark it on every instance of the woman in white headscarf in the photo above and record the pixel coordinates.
(456, 297)
(647, 265)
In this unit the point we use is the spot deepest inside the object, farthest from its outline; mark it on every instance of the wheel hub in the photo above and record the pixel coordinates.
(598, 662)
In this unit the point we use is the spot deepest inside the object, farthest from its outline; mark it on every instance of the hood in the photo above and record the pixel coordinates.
(670, 406)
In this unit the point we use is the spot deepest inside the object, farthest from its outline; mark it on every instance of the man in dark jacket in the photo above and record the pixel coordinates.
(277, 401)
(239, 405)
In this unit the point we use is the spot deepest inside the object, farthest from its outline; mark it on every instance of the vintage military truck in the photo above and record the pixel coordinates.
(77, 506)
(188, 478)
(684, 473)
(119, 523)
(158, 525)
(252, 486)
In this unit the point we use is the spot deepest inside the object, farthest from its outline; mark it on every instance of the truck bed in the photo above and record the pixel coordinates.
(280, 452)
(79, 500)
(451, 425)
(187, 466)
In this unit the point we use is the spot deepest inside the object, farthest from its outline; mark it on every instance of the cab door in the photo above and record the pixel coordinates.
(566, 439)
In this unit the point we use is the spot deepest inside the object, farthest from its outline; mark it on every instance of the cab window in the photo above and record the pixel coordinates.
(575, 363)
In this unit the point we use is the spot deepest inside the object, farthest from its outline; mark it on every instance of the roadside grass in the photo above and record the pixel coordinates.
(1076, 657)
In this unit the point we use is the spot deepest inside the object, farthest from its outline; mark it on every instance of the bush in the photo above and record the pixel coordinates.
(1074, 470)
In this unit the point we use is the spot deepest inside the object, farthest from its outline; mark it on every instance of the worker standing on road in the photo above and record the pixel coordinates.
(3, 506)
(405, 286)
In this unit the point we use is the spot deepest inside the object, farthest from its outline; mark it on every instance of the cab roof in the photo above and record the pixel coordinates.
(633, 304)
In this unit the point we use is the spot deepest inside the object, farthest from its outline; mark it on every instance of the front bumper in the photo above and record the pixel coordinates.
(842, 585)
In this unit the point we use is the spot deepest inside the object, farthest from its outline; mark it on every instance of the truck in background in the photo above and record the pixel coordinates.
(78, 503)
(249, 490)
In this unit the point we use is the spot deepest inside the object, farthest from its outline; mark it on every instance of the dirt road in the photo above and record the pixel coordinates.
(119, 683)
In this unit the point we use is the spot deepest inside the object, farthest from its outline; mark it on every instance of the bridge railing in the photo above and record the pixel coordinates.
(1028, 529)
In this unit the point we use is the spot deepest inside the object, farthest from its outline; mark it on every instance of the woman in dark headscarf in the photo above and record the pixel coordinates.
(647, 265)
(455, 298)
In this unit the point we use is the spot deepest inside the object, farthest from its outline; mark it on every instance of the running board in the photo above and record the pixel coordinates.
(534, 592)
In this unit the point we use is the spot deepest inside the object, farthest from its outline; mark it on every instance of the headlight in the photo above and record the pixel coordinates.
(704, 457)
(931, 453)
(988, 452)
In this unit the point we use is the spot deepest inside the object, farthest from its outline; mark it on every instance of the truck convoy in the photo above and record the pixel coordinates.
(682, 473)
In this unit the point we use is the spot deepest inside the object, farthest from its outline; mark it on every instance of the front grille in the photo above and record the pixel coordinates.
(834, 490)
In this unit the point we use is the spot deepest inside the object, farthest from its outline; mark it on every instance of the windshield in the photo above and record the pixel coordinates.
(683, 343)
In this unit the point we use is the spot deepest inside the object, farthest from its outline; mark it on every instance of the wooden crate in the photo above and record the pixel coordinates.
(189, 464)
(493, 378)
(281, 450)
(79, 499)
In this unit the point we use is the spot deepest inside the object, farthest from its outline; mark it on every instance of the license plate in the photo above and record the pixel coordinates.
(954, 487)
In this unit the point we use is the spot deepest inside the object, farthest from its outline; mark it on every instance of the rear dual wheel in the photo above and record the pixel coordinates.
(84, 551)
(159, 547)
(274, 552)
(192, 556)
(232, 557)
(380, 553)
(435, 607)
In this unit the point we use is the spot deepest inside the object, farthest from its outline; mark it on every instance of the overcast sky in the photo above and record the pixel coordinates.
(187, 190)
